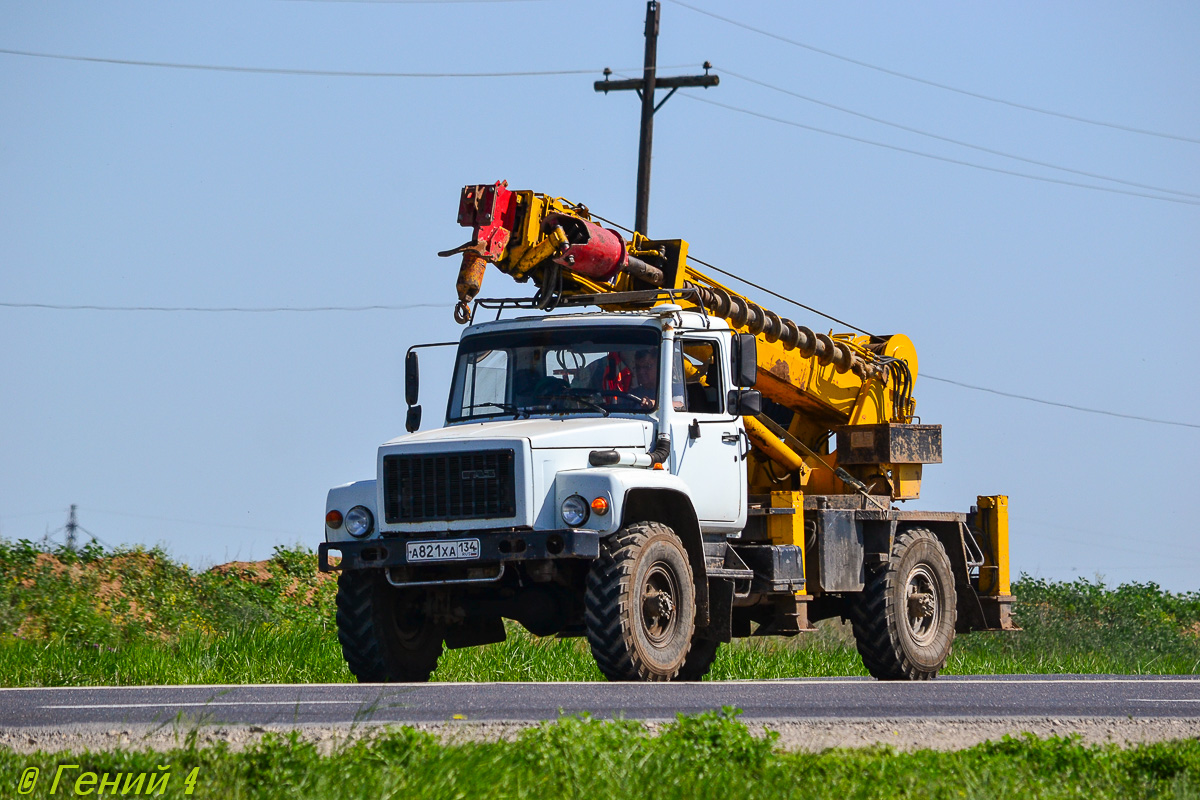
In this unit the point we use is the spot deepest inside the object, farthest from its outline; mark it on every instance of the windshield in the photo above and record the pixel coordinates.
(556, 371)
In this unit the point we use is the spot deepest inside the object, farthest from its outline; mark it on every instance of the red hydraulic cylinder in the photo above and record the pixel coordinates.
(593, 251)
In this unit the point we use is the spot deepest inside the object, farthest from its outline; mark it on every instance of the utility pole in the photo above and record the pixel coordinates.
(645, 87)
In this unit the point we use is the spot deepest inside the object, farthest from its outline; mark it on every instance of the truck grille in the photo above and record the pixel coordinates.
(436, 486)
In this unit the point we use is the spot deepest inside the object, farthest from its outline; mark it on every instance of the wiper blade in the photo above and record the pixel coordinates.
(507, 408)
(577, 399)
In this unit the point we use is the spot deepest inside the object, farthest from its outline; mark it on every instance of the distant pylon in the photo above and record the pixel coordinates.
(72, 526)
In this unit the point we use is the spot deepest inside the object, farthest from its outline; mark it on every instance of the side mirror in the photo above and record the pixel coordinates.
(744, 402)
(412, 379)
(413, 421)
(745, 360)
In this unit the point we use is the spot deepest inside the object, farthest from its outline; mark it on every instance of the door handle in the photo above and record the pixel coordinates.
(736, 438)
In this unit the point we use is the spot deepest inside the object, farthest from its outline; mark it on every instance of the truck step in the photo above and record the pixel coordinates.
(731, 574)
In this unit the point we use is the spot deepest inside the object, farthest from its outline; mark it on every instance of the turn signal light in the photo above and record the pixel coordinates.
(334, 519)
(600, 506)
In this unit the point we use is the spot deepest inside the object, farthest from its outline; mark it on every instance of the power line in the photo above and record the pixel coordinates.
(713, 267)
(415, 2)
(1062, 405)
(308, 72)
(934, 157)
(946, 380)
(781, 297)
(221, 309)
(958, 142)
(935, 84)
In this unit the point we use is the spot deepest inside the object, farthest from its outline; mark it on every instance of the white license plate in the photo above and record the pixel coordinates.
(445, 550)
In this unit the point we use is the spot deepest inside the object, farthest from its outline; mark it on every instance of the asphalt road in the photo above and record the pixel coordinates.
(821, 698)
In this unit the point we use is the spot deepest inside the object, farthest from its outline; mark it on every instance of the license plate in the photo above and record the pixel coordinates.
(445, 550)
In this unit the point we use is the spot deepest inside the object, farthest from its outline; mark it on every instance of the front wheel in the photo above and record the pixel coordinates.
(640, 604)
(904, 618)
(387, 635)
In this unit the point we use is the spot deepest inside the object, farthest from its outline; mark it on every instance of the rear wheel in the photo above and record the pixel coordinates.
(386, 634)
(699, 659)
(640, 604)
(904, 618)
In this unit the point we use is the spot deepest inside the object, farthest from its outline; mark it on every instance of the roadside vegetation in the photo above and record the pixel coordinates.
(135, 616)
(709, 755)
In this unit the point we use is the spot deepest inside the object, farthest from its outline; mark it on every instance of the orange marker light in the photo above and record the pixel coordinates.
(334, 519)
(600, 506)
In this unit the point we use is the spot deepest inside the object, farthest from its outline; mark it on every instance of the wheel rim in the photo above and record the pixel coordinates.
(660, 596)
(924, 611)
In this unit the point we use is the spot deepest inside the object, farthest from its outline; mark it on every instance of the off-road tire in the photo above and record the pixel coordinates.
(385, 635)
(699, 660)
(640, 604)
(901, 638)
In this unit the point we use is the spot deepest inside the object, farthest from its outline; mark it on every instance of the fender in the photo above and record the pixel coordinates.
(674, 508)
(642, 495)
(345, 497)
(614, 484)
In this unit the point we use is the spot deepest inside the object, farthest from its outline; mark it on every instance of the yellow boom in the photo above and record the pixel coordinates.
(825, 380)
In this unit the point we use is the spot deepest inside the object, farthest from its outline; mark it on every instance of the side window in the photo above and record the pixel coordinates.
(698, 368)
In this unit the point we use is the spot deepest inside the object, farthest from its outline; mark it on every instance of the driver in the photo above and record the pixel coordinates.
(645, 372)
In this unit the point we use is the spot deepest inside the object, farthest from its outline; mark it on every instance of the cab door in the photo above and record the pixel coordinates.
(708, 446)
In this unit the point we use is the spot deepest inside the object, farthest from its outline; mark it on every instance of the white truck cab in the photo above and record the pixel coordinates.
(560, 432)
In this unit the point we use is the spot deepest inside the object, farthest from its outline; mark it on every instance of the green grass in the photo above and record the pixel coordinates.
(706, 756)
(137, 617)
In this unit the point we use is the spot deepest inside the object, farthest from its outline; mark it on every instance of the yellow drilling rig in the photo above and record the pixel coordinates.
(681, 467)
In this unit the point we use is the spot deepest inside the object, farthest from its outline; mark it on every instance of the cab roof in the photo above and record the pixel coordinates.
(649, 317)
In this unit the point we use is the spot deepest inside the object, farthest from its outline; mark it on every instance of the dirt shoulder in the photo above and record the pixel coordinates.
(795, 735)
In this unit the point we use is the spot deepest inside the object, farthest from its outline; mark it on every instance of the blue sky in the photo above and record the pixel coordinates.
(218, 434)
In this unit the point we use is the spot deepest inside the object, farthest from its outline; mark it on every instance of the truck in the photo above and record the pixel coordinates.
(646, 457)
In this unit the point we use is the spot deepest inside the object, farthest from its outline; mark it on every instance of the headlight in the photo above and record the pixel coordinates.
(575, 511)
(359, 521)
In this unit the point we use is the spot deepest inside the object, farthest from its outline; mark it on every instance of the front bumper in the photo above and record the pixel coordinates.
(494, 548)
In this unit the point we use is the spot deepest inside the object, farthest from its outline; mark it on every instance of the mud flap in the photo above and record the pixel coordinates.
(475, 631)
(720, 611)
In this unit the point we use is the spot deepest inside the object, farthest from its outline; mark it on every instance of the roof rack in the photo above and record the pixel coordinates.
(646, 298)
